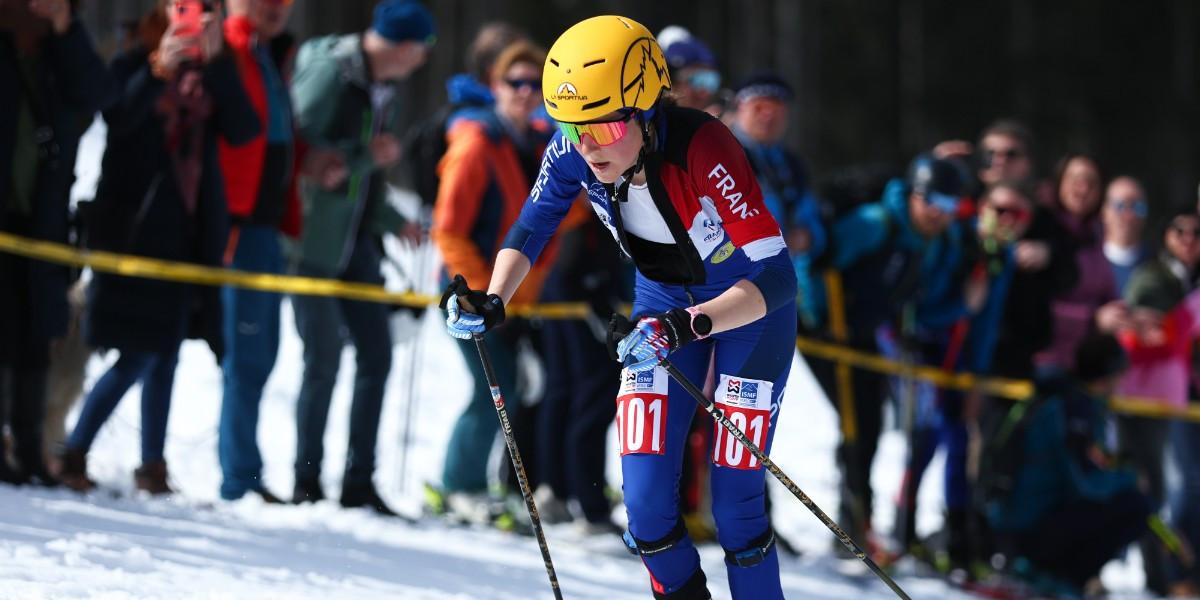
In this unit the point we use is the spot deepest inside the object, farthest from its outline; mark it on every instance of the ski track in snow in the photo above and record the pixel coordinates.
(56, 544)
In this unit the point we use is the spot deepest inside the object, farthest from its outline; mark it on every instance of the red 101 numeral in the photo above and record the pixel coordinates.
(639, 417)
(727, 450)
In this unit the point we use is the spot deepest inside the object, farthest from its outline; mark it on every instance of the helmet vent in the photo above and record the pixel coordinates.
(596, 104)
(594, 62)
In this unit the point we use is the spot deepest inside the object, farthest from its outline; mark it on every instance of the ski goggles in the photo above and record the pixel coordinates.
(943, 202)
(604, 133)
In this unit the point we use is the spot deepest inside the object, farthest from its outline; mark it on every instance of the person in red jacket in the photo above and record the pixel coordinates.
(261, 192)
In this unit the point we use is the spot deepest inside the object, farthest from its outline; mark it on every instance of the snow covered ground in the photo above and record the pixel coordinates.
(56, 544)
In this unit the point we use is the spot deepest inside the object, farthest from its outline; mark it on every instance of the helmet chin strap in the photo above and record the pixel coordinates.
(621, 193)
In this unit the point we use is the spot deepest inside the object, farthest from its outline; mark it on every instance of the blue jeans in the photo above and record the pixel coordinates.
(157, 374)
(251, 332)
(323, 324)
(1185, 503)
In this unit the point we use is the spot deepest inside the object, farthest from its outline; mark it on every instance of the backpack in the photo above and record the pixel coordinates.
(424, 145)
(1004, 451)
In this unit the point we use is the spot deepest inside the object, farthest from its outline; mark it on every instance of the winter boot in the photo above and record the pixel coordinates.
(551, 509)
(307, 490)
(267, 496)
(73, 472)
(151, 477)
(7, 473)
(365, 495)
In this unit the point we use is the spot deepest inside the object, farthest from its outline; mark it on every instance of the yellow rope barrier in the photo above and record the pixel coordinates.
(140, 266)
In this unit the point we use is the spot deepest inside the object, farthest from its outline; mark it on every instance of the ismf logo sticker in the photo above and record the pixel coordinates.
(642, 412)
(747, 403)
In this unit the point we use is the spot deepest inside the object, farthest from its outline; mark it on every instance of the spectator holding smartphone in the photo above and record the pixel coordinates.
(160, 196)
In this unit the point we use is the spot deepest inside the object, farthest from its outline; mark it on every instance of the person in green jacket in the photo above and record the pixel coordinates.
(345, 96)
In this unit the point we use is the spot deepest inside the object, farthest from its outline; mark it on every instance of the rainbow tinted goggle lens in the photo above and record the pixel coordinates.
(604, 134)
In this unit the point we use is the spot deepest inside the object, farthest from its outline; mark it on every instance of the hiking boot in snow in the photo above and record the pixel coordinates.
(73, 472)
(151, 477)
(551, 509)
(477, 508)
(360, 495)
(307, 490)
(599, 528)
(7, 474)
(267, 496)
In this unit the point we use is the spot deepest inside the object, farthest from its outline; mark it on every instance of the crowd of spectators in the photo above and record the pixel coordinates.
(230, 143)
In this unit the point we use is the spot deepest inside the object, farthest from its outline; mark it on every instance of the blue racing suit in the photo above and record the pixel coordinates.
(705, 190)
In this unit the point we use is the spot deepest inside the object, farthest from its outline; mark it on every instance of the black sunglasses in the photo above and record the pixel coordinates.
(516, 84)
(1009, 153)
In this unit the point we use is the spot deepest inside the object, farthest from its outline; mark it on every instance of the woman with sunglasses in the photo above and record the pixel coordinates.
(674, 188)
(491, 160)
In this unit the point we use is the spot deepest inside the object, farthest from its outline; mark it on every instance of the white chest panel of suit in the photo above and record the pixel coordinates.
(641, 217)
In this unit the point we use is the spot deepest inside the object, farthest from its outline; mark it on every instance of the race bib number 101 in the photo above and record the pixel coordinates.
(747, 403)
(642, 412)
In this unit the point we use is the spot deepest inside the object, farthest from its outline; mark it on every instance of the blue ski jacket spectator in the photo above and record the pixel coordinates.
(941, 303)
(862, 245)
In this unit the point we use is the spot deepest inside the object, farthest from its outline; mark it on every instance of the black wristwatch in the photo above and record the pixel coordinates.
(701, 323)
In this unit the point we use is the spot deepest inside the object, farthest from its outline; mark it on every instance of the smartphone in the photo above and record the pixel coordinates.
(186, 15)
(187, 18)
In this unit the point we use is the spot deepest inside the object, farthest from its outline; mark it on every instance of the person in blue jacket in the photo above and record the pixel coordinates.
(1070, 510)
(714, 283)
(876, 257)
(957, 320)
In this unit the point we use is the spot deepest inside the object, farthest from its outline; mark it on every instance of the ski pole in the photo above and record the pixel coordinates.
(414, 285)
(518, 464)
(787, 482)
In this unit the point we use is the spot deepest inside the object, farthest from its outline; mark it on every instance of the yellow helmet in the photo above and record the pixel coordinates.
(600, 65)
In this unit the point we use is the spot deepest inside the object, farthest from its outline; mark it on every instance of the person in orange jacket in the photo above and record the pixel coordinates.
(492, 157)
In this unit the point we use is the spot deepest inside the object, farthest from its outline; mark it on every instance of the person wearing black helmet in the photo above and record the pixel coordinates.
(871, 265)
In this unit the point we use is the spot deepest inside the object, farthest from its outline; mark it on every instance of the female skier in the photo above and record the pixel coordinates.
(675, 189)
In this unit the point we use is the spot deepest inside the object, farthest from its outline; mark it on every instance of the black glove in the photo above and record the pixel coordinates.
(481, 312)
(618, 328)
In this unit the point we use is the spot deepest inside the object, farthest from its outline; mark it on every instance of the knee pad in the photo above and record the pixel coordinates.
(638, 547)
(754, 554)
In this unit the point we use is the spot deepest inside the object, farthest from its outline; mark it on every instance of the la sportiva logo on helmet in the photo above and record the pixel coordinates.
(567, 91)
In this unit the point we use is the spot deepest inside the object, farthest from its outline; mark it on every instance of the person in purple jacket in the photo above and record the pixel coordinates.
(1093, 303)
